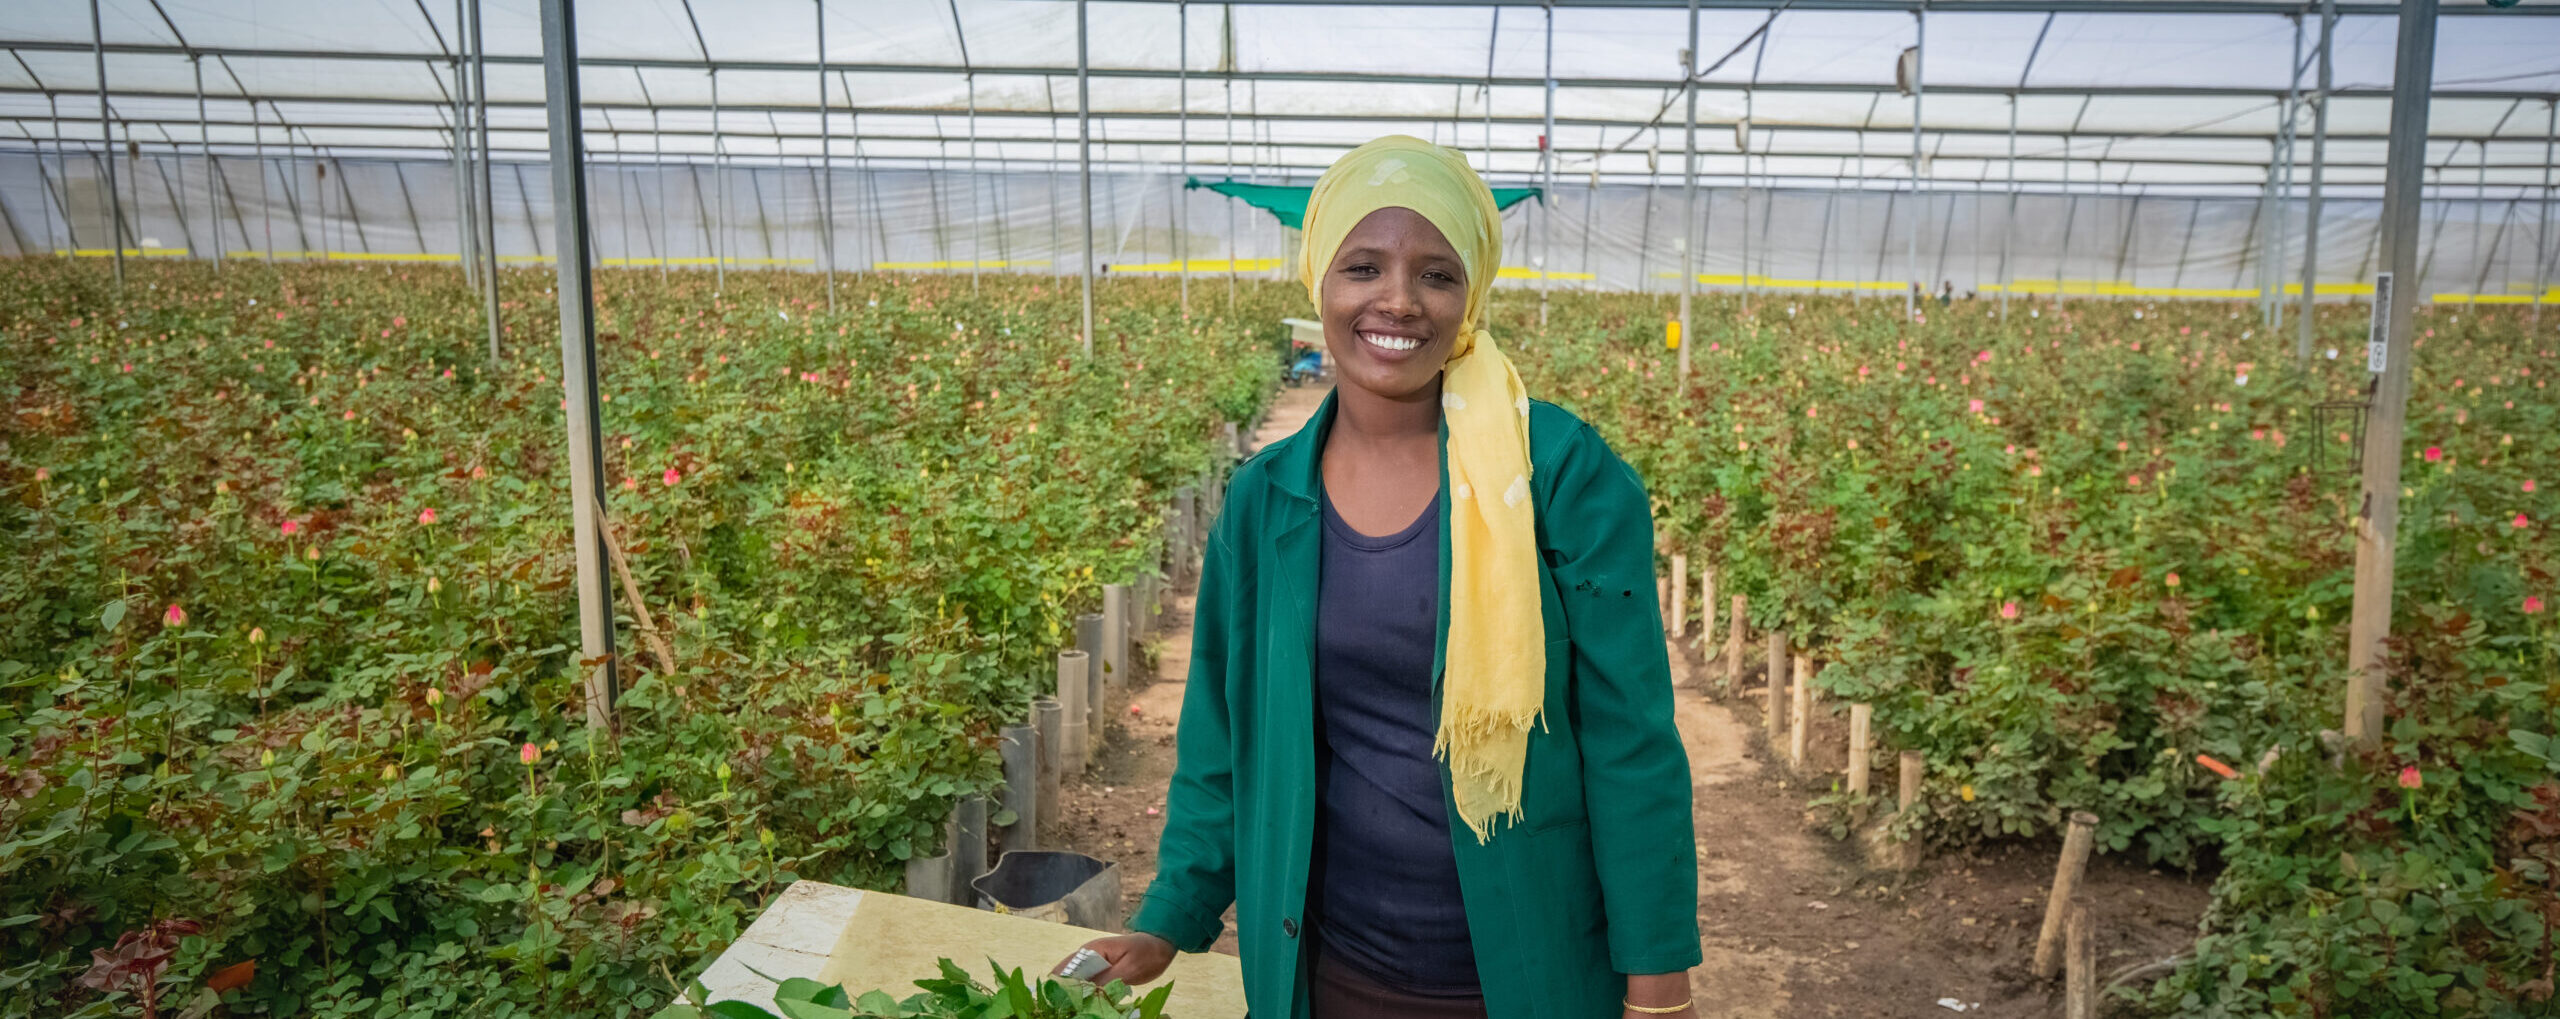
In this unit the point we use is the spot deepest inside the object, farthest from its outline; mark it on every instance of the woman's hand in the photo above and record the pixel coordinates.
(1658, 991)
(1134, 958)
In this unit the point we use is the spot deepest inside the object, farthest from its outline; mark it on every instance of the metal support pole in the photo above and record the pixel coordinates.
(1547, 164)
(1590, 200)
(1911, 256)
(212, 195)
(266, 214)
(2480, 283)
(107, 142)
(827, 161)
(977, 223)
(577, 357)
(622, 200)
(1182, 150)
(1689, 191)
(1749, 127)
(1644, 236)
(2319, 168)
(719, 195)
(2396, 299)
(2262, 227)
(485, 193)
(2009, 220)
(1084, 170)
(1492, 48)
(203, 134)
(319, 200)
(658, 171)
(487, 198)
(46, 182)
(466, 209)
(2286, 133)
(1227, 64)
(2541, 262)
(2479, 204)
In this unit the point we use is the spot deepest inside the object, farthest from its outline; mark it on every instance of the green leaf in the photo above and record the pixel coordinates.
(807, 1009)
(734, 1009)
(800, 989)
(2535, 745)
(113, 615)
(1152, 1006)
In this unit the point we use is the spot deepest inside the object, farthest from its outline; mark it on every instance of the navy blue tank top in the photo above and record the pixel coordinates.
(1387, 878)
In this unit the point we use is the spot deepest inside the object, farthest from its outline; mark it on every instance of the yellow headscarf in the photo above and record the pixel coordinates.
(1495, 686)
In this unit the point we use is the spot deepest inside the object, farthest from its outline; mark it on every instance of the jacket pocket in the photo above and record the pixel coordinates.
(1552, 795)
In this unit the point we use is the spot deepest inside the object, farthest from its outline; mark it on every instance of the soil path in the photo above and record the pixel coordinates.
(1793, 923)
(1116, 811)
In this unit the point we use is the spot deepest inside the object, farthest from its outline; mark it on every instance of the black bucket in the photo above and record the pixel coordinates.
(1059, 887)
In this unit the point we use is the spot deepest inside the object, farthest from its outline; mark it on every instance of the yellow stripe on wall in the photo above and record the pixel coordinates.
(2095, 288)
(959, 264)
(626, 262)
(348, 256)
(1774, 283)
(2551, 297)
(1198, 265)
(1514, 272)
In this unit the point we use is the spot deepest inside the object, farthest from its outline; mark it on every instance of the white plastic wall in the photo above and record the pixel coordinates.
(932, 219)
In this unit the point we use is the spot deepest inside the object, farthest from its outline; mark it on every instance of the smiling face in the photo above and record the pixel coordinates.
(1394, 299)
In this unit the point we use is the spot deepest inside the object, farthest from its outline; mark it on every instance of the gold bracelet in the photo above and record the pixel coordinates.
(1673, 1010)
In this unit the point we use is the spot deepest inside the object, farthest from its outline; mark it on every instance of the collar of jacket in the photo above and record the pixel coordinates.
(1297, 473)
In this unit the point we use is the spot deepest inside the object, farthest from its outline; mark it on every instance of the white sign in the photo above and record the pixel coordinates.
(2377, 344)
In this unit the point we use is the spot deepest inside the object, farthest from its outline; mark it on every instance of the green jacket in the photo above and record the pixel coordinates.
(1598, 879)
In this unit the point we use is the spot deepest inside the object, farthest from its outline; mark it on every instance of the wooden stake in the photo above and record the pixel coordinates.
(1733, 644)
(1861, 745)
(1047, 720)
(929, 877)
(1097, 712)
(1706, 606)
(1185, 514)
(1908, 857)
(1679, 595)
(649, 634)
(1074, 678)
(1800, 712)
(2066, 884)
(1021, 753)
(968, 848)
(1776, 712)
(1115, 638)
(1909, 794)
(2080, 989)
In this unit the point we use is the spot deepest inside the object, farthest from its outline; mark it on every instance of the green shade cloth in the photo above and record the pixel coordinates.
(1289, 204)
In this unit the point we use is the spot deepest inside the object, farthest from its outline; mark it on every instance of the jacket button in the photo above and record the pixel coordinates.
(1289, 927)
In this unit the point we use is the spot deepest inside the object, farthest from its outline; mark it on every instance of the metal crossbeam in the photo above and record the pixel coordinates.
(1654, 85)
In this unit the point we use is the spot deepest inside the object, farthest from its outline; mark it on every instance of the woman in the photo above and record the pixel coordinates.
(1426, 746)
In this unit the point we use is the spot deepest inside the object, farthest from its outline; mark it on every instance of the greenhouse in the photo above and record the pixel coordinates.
(679, 508)
(2144, 149)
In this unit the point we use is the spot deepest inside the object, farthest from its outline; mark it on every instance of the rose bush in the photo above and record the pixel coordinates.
(2082, 556)
(288, 628)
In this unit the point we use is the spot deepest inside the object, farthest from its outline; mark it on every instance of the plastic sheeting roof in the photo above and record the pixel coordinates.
(2167, 93)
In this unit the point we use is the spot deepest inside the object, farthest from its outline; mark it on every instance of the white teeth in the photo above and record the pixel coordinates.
(1391, 342)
